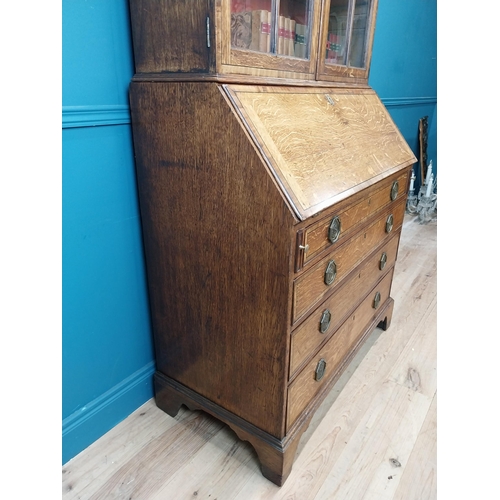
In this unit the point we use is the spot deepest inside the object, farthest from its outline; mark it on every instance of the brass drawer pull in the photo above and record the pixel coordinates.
(383, 261)
(320, 369)
(304, 247)
(324, 322)
(376, 300)
(389, 223)
(334, 229)
(394, 190)
(331, 272)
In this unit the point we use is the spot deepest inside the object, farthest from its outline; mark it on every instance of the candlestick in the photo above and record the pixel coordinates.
(412, 180)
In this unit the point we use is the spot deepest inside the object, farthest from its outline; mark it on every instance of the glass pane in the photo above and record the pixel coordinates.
(337, 31)
(293, 28)
(251, 24)
(357, 47)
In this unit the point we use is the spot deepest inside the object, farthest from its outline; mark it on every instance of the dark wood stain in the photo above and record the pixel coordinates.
(216, 234)
(170, 36)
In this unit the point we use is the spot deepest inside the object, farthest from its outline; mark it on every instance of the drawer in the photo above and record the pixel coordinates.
(329, 315)
(329, 360)
(311, 287)
(336, 226)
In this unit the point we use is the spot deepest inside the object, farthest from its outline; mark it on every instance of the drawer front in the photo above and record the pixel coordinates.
(328, 316)
(325, 365)
(312, 286)
(337, 226)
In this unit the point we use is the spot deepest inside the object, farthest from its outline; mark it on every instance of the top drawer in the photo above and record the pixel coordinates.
(340, 224)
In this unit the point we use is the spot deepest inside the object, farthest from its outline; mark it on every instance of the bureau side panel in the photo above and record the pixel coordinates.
(217, 240)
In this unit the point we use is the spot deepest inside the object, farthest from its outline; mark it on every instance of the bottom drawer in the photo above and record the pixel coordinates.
(324, 366)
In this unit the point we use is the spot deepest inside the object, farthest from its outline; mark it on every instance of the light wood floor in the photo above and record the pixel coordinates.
(373, 438)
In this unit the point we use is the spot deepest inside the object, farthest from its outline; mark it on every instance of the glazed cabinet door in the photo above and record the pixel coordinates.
(347, 28)
(276, 38)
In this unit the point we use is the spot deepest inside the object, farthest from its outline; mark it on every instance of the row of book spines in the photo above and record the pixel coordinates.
(291, 36)
(286, 36)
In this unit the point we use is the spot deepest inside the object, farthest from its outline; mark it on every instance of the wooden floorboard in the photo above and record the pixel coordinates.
(373, 438)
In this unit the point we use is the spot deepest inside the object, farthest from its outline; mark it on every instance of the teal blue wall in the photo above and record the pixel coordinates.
(404, 68)
(108, 357)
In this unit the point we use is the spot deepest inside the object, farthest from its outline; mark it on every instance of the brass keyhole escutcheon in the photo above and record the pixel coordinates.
(330, 272)
(383, 260)
(394, 190)
(389, 223)
(334, 229)
(376, 300)
(324, 322)
(320, 369)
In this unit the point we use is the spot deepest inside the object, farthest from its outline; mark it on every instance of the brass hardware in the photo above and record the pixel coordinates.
(320, 369)
(305, 248)
(376, 300)
(394, 190)
(389, 223)
(331, 272)
(334, 230)
(324, 322)
(383, 261)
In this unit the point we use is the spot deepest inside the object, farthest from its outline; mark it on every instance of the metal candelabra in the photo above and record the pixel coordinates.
(425, 203)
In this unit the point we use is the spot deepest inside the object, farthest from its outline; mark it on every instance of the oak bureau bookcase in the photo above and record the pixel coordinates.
(272, 186)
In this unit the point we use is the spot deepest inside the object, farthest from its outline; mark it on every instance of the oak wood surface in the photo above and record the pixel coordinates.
(217, 250)
(310, 287)
(307, 337)
(170, 36)
(219, 235)
(376, 198)
(374, 407)
(305, 386)
(322, 152)
(262, 77)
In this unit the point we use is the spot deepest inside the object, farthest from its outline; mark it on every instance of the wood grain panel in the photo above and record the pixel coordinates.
(377, 197)
(304, 388)
(323, 152)
(219, 288)
(310, 287)
(308, 337)
(171, 36)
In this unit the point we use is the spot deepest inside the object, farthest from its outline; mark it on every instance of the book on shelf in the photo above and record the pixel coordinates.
(300, 40)
(286, 37)
(261, 29)
(268, 32)
(291, 41)
(281, 36)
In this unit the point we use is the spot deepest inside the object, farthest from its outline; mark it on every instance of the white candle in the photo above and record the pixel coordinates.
(429, 185)
(429, 170)
(412, 180)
